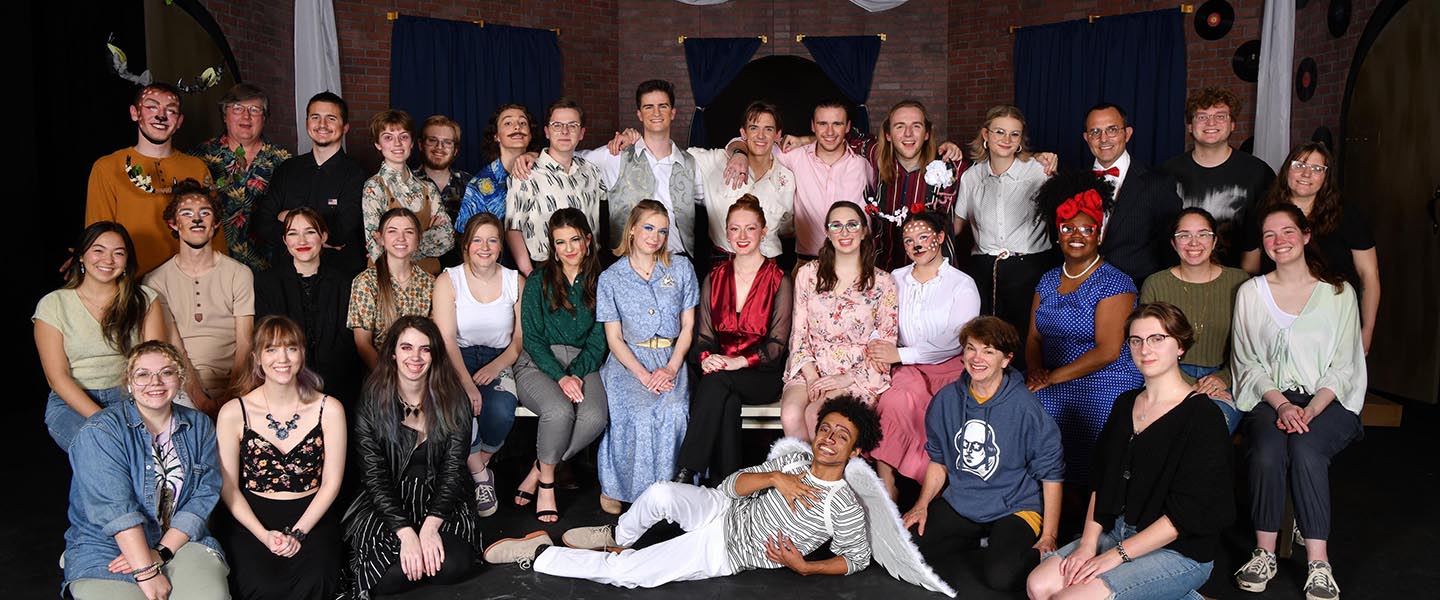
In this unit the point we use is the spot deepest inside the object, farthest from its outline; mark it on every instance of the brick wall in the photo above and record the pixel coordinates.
(1332, 64)
(261, 34)
(911, 62)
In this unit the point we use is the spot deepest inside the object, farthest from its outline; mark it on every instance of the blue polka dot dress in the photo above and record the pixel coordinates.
(1066, 323)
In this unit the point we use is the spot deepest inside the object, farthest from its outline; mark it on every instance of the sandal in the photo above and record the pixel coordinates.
(522, 497)
(541, 514)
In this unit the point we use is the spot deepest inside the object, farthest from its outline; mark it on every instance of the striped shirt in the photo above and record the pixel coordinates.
(837, 517)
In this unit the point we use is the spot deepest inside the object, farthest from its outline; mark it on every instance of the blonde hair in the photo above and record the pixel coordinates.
(978, 150)
(155, 347)
(642, 209)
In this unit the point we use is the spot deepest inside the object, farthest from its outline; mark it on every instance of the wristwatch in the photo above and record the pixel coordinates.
(166, 554)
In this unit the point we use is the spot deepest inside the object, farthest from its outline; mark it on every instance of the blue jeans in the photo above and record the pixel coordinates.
(63, 422)
(1232, 414)
(497, 408)
(1158, 575)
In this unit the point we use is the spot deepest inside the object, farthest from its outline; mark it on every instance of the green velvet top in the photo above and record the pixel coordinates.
(543, 328)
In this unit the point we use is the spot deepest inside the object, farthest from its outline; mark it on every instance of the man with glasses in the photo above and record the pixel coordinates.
(439, 145)
(210, 296)
(1135, 233)
(241, 164)
(325, 179)
(131, 186)
(559, 179)
(1225, 181)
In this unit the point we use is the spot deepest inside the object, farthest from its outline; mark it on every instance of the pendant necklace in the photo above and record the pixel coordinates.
(411, 409)
(281, 431)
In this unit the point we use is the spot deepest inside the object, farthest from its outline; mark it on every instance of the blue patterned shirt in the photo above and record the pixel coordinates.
(484, 194)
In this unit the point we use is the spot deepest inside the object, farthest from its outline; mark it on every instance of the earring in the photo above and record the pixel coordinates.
(82, 269)
(984, 144)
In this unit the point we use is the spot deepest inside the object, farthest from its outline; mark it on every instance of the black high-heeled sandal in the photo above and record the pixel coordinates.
(527, 497)
(539, 514)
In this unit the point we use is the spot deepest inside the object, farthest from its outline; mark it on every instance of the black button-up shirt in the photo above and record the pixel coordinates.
(333, 190)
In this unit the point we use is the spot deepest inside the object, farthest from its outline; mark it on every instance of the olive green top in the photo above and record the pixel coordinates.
(1208, 306)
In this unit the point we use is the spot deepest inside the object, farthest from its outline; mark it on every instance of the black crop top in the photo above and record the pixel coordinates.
(264, 468)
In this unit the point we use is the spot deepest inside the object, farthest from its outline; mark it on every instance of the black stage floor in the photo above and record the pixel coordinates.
(1386, 540)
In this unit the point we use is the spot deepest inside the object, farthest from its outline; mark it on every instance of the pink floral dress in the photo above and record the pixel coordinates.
(832, 328)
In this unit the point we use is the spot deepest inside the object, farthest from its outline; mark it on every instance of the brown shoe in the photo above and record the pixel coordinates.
(609, 505)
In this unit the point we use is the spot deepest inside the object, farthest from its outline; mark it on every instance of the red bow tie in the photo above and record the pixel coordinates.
(1112, 171)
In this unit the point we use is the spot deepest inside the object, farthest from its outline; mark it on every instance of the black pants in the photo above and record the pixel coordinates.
(1009, 556)
(1009, 291)
(712, 439)
(459, 559)
(313, 573)
(1305, 458)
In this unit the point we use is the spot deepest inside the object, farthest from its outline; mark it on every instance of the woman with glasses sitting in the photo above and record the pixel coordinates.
(1205, 290)
(842, 303)
(1077, 361)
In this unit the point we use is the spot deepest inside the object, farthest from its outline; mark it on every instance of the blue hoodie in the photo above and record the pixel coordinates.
(995, 454)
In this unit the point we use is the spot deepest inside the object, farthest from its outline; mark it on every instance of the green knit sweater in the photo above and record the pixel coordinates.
(1208, 306)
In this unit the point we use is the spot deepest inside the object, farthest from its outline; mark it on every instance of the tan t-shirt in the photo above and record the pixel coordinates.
(205, 309)
(94, 363)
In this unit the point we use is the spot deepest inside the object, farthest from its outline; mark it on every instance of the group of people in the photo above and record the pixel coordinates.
(1002, 334)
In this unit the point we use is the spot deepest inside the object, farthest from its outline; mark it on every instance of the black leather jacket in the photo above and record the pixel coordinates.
(382, 461)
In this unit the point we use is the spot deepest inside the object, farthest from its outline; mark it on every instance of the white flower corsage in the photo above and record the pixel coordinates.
(938, 174)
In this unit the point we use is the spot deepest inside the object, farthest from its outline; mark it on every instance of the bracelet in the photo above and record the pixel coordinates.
(294, 532)
(1119, 547)
(153, 570)
(166, 554)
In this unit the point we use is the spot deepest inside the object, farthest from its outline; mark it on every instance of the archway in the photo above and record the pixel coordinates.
(793, 83)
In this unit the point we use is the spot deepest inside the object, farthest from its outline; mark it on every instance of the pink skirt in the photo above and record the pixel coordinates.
(902, 414)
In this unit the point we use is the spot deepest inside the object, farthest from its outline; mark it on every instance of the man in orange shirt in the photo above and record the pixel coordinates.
(132, 186)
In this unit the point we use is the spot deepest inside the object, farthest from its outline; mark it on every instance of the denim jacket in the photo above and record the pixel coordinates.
(113, 488)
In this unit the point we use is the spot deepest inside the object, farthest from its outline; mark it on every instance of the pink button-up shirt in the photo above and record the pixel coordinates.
(818, 185)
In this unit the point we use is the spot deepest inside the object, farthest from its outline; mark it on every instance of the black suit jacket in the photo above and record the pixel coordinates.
(1138, 232)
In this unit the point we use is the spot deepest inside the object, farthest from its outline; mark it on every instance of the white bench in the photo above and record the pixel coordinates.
(752, 416)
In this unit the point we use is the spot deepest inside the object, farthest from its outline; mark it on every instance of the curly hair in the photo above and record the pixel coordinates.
(864, 418)
(1207, 97)
(1064, 186)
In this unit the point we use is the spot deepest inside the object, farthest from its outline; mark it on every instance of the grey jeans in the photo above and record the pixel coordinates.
(565, 427)
(195, 573)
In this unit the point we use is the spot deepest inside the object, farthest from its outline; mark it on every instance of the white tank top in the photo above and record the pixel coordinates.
(489, 323)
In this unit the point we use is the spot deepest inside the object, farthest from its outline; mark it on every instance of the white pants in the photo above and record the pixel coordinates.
(698, 554)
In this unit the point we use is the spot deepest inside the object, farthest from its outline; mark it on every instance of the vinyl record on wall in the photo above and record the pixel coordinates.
(1339, 17)
(1247, 61)
(1305, 79)
(1322, 135)
(1248, 146)
(1213, 19)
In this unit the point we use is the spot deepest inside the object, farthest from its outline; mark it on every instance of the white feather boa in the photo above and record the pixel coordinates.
(890, 543)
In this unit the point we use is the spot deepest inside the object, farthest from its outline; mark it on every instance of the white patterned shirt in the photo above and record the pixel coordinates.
(1000, 209)
(529, 203)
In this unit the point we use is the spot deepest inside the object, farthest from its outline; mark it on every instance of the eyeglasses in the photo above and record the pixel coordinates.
(1152, 340)
(997, 132)
(564, 125)
(148, 377)
(1304, 166)
(1096, 133)
(837, 227)
(1084, 230)
(1186, 236)
(441, 142)
(1217, 118)
(244, 109)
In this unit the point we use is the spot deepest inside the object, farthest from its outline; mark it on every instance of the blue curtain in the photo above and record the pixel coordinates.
(464, 71)
(1136, 61)
(713, 64)
(849, 61)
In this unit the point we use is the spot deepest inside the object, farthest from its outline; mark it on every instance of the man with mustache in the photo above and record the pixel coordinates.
(241, 163)
(211, 297)
(132, 185)
(325, 179)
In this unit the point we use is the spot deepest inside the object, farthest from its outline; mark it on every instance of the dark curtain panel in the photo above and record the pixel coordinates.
(464, 71)
(713, 63)
(849, 61)
(1136, 61)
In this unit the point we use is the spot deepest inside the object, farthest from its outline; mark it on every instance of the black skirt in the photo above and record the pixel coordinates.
(374, 547)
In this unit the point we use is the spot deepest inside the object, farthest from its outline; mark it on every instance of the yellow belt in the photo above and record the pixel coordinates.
(656, 343)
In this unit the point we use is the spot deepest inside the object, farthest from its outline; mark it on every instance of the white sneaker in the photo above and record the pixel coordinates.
(1320, 582)
(1256, 573)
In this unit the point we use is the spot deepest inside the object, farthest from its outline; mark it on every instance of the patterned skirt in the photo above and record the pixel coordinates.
(374, 547)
